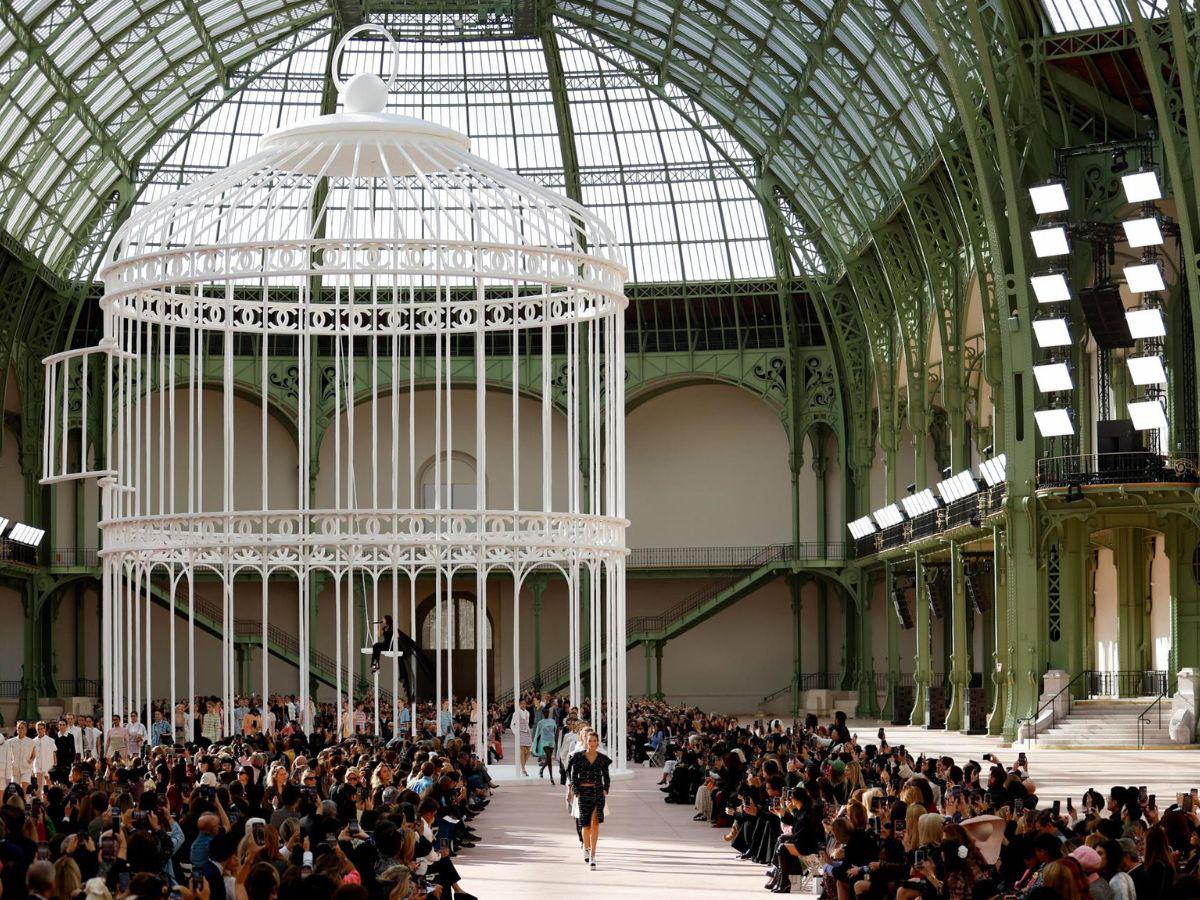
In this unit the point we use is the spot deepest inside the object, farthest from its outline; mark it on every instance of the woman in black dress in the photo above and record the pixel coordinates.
(589, 782)
(387, 632)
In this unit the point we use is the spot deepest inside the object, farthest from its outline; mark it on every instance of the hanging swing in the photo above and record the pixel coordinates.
(389, 652)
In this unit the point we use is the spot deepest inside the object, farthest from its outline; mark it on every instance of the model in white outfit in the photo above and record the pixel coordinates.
(137, 735)
(20, 755)
(43, 755)
(91, 740)
(5, 777)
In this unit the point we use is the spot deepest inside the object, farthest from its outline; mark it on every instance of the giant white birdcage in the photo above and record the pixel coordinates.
(360, 275)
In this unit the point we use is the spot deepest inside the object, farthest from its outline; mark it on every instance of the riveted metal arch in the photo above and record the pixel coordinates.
(773, 75)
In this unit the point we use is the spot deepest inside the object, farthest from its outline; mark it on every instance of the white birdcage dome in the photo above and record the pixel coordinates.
(362, 199)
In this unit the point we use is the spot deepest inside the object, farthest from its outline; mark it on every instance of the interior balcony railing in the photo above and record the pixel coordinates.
(730, 557)
(965, 512)
(1139, 467)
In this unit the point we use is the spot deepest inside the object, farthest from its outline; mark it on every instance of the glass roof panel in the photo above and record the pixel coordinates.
(681, 211)
(1080, 15)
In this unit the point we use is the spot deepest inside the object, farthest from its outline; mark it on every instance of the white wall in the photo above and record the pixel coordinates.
(1106, 630)
(707, 466)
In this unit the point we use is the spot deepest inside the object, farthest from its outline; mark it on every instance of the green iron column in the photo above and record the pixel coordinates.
(1130, 558)
(32, 683)
(893, 644)
(658, 679)
(822, 630)
(868, 701)
(921, 676)
(538, 587)
(1179, 543)
(1067, 620)
(1001, 668)
(960, 675)
(648, 649)
(796, 586)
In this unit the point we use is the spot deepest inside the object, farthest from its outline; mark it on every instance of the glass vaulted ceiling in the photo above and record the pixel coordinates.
(681, 210)
(833, 104)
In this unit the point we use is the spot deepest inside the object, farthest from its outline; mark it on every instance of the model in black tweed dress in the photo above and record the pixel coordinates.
(588, 771)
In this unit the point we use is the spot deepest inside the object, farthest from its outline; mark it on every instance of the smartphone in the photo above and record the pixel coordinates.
(987, 798)
(1056, 807)
(123, 883)
(1022, 760)
(141, 819)
(108, 848)
(875, 824)
(1142, 796)
(196, 882)
(1070, 808)
(1018, 805)
(1187, 805)
(1153, 801)
(43, 850)
(260, 833)
(1194, 795)
(354, 827)
(918, 858)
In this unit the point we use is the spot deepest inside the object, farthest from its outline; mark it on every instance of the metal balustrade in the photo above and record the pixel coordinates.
(1140, 467)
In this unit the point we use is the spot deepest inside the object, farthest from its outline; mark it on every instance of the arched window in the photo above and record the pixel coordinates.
(463, 621)
(458, 488)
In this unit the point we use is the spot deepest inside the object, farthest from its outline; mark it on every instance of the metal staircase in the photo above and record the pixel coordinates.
(765, 564)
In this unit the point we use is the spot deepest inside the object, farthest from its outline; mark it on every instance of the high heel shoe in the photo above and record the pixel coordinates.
(731, 834)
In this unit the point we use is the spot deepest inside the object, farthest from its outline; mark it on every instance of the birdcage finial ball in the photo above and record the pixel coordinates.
(365, 92)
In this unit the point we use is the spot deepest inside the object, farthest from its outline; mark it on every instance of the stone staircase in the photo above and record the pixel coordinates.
(1109, 723)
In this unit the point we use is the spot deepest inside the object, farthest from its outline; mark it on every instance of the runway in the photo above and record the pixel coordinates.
(648, 848)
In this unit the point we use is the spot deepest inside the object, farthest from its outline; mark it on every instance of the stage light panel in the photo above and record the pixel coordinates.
(1052, 288)
(1141, 187)
(1145, 370)
(993, 470)
(1148, 415)
(1145, 323)
(1054, 422)
(860, 528)
(1142, 232)
(1053, 377)
(958, 486)
(1049, 198)
(1144, 277)
(919, 503)
(1050, 241)
(889, 516)
(1051, 332)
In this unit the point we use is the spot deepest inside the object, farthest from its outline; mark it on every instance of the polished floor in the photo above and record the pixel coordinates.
(650, 849)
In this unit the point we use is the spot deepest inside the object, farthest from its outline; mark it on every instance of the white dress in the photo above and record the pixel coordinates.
(520, 727)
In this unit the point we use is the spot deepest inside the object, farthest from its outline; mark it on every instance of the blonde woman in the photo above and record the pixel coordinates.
(912, 818)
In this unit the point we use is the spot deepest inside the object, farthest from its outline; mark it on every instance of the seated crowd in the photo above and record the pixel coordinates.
(855, 819)
(265, 812)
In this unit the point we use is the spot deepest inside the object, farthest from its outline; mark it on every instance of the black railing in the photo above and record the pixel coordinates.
(727, 557)
(78, 687)
(74, 557)
(1141, 467)
(10, 688)
(968, 511)
(1144, 717)
(1052, 705)
(21, 554)
(1126, 683)
(924, 525)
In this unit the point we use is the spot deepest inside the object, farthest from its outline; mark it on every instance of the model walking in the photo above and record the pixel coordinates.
(544, 735)
(589, 783)
(520, 727)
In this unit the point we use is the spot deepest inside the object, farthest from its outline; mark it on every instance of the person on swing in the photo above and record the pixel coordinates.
(387, 633)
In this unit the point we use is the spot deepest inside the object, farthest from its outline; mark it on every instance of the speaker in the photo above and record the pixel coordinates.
(1105, 316)
(1117, 436)
(975, 593)
(933, 593)
(903, 613)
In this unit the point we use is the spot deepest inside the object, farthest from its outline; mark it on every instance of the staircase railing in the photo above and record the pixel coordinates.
(1052, 705)
(558, 671)
(1144, 717)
